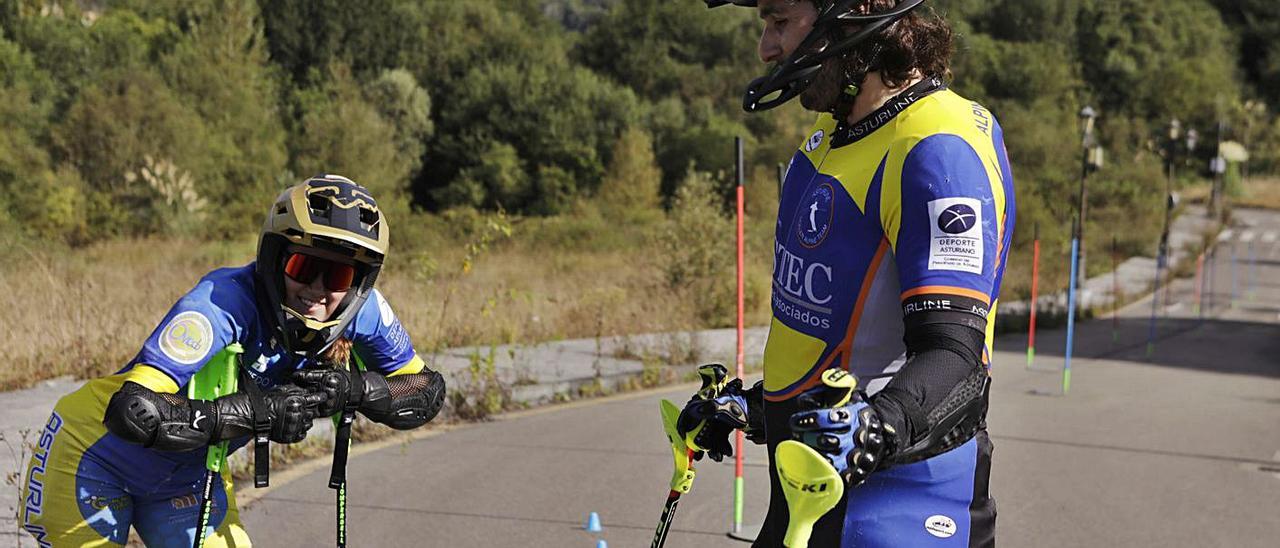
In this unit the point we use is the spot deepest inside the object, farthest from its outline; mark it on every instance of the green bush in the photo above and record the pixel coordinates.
(696, 251)
(632, 184)
(341, 132)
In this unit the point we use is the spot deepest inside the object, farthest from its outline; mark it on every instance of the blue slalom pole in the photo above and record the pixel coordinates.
(1155, 299)
(1071, 313)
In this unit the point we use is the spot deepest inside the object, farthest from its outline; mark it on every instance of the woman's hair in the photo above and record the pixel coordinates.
(922, 41)
(338, 355)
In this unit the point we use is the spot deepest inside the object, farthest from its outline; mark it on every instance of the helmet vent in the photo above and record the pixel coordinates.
(368, 218)
(319, 204)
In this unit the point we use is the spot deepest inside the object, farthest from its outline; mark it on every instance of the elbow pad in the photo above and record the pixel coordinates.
(938, 401)
(166, 422)
(403, 402)
(169, 422)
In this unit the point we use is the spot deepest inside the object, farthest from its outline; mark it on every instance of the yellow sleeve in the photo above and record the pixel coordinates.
(415, 365)
(152, 378)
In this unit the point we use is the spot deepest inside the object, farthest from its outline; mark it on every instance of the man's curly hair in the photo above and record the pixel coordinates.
(922, 41)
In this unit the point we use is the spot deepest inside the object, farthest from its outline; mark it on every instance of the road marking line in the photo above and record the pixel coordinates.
(1269, 237)
(1247, 236)
(1226, 235)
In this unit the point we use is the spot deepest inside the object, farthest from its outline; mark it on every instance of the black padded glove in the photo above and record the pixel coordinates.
(344, 390)
(169, 422)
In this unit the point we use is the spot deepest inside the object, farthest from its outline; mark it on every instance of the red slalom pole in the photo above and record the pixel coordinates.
(1035, 286)
(738, 442)
(1115, 289)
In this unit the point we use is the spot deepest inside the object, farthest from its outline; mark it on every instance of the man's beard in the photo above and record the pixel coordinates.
(826, 89)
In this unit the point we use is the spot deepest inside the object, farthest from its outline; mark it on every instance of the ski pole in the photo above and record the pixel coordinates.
(342, 423)
(216, 379)
(810, 483)
(338, 475)
(812, 488)
(714, 377)
(681, 478)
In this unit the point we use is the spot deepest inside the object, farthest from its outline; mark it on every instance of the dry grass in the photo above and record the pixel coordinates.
(1259, 192)
(86, 312)
(1263, 192)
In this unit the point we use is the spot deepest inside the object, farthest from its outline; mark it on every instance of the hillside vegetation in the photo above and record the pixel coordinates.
(550, 168)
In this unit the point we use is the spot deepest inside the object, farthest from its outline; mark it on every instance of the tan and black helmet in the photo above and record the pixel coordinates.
(331, 215)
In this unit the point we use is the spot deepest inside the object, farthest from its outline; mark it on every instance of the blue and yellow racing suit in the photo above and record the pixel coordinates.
(87, 487)
(915, 199)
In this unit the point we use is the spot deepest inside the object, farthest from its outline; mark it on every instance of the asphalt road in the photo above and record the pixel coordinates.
(1179, 448)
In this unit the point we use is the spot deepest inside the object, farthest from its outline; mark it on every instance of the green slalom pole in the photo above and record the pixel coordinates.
(738, 493)
(1035, 285)
(216, 379)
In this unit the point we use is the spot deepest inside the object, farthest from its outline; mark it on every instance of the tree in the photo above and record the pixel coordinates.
(341, 132)
(1257, 23)
(633, 180)
(1153, 63)
(505, 83)
(693, 64)
(305, 37)
(114, 126)
(697, 265)
(220, 68)
(407, 106)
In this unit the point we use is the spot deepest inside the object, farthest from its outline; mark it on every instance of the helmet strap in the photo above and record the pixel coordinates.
(854, 78)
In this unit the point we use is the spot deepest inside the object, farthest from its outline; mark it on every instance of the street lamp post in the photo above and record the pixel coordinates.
(1193, 137)
(1087, 146)
(1171, 152)
(1162, 252)
(1218, 166)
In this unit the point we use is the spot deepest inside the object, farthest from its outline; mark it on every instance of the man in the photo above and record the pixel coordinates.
(893, 229)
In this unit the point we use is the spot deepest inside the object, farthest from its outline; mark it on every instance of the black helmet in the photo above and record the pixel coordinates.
(329, 216)
(793, 74)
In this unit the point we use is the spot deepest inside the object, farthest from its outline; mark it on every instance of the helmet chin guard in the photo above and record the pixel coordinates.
(332, 217)
(824, 42)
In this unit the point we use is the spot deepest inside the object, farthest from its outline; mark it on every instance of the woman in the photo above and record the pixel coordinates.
(129, 449)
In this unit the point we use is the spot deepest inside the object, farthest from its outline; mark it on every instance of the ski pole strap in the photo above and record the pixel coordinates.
(342, 429)
(341, 444)
(261, 431)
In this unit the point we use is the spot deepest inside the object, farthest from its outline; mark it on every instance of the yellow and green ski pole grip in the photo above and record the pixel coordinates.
(681, 478)
(216, 379)
(812, 488)
(714, 378)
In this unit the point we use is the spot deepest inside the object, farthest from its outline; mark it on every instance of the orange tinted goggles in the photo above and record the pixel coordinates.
(304, 269)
